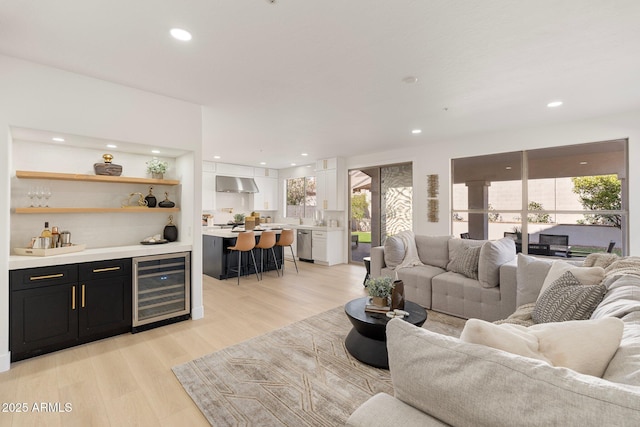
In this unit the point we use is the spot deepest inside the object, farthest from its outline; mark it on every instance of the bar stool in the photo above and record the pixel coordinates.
(286, 239)
(245, 242)
(267, 241)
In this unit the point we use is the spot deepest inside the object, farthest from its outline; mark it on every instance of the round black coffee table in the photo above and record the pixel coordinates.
(367, 341)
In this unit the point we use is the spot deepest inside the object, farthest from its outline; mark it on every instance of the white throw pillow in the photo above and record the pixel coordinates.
(586, 346)
(393, 251)
(585, 275)
(530, 277)
(493, 254)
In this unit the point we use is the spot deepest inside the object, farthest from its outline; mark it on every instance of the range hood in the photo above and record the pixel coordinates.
(234, 184)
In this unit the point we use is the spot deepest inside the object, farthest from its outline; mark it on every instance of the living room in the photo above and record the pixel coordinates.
(44, 94)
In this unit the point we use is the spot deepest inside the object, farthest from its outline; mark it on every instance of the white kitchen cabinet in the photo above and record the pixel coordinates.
(327, 247)
(330, 184)
(265, 172)
(267, 196)
(234, 170)
(208, 190)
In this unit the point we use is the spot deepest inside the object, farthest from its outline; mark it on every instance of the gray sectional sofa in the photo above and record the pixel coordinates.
(442, 282)
(440, 380)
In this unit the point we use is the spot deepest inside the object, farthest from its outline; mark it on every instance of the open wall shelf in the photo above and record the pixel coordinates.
(93, 178)
(134, 209)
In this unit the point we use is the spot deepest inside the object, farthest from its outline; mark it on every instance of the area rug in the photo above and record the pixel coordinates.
(299, 375)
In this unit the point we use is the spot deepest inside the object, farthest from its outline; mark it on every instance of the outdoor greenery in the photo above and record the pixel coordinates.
(363, 236)
(359, 206)
(301, 196)
(493, 215)
(379, 286)
(599, 193)
(540, 218)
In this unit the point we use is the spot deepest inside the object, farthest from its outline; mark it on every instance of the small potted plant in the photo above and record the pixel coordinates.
(157, 168)
(379, 290)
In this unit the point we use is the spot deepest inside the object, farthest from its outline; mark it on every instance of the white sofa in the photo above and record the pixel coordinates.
(440, 380)
(437, 286)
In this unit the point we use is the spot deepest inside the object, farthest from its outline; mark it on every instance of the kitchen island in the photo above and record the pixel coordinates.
(217, 259)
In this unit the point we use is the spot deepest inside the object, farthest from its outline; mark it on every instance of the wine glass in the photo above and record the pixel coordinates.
(46, 193)
(39, 195)
(31, 194)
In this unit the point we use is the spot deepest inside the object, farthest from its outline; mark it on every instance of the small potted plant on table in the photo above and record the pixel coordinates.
(379, 290)
(157, 168)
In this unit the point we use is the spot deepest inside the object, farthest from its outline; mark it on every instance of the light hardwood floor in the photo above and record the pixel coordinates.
(127, 380)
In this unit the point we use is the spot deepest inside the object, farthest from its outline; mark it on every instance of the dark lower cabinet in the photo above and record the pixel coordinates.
(58, 307)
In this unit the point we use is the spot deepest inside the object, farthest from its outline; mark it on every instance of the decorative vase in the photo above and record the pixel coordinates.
(166, 203)
(379, 301)
(107, 168)
(151, 199)
(157, 175)
(397, 295)
(170, 231)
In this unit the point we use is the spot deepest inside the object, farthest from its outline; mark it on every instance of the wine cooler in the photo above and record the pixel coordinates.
(161, 289)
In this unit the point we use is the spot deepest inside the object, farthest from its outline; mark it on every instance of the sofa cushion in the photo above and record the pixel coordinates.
(624, 368)
(530, 277)
(584, 346)
(456, 245)
(585, 275)
(433, 250)
(466, 261)
(493, 254)
(471, 385)
(393, 251)
(384, 410)
(567, 299)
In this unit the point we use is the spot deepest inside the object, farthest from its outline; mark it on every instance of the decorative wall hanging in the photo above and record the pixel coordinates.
(433, 205)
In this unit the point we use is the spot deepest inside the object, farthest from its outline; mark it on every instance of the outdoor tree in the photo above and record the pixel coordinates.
(359, 206)
(295, 192)
(600, 193)
(540, 218)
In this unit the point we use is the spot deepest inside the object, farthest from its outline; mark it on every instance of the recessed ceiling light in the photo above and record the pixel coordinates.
(216, 157)
(58, 139)
(554, 104)
(180, 34)
(155, 151)
(508, 168)
(409, 79)
(293, 164)
(416, 131)
(584, 163)
(112, 146)
(304, 154)
(263, 163)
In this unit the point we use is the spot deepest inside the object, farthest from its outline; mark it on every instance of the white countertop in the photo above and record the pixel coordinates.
(17, 261)
(227, 233)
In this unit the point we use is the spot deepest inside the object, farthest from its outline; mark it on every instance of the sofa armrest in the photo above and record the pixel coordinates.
(377, 261)
(384, 410)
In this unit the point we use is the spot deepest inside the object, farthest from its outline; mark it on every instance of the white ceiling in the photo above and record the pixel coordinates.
(325, 77)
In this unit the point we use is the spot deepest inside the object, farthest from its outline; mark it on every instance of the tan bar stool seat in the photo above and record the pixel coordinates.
(267, 241)
(286, 239)
(245, 242)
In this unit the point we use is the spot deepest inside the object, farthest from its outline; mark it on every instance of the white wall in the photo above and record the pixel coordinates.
(38, 97)
(435, 158)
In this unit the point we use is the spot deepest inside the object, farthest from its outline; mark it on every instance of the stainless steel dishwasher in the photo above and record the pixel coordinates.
(304, 245)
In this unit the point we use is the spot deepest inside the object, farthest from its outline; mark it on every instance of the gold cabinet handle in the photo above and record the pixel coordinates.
(82, 296)
(102, 270)
(73, 297)
(50, 276)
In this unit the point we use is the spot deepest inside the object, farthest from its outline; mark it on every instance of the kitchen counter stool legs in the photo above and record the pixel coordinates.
(286, 239)
(245, 242)
(267, 241)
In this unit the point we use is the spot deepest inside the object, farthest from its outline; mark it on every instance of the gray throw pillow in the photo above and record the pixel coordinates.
(466, 261)
(567, 299)
(393, 251)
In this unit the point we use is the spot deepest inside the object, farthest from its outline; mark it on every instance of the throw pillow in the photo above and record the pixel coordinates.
(586, 275)
(585, 346)
(493, 254)
(466, 261)
(567, 299)
(393, 251)
(456, 245)
(530, 277)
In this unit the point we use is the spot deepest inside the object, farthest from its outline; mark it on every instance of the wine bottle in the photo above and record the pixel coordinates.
(46, 232)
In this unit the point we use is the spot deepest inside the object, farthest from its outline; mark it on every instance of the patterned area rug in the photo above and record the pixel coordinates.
(299, 375)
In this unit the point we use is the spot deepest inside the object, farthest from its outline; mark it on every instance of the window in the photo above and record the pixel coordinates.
(301, 197)
(577, 191)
